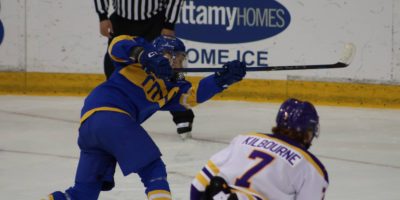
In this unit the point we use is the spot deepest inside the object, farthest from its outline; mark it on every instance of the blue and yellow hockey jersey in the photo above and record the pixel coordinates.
(133, 91)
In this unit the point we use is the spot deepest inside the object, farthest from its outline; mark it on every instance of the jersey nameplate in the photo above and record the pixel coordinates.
(292, 157)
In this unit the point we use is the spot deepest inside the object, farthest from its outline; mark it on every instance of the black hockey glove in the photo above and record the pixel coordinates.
(218, 190)
(231, 73)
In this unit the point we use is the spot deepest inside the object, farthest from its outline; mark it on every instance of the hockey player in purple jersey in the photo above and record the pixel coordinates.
(260, 166)
(112, 114)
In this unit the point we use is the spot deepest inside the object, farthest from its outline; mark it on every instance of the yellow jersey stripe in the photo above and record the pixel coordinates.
(213, 167)
(114, 41)
(159, 195)
(90, 112)
(160, 198)
(202, 179)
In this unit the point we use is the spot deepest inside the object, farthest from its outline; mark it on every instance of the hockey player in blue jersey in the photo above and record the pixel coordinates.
(112, 114)
(259, 166)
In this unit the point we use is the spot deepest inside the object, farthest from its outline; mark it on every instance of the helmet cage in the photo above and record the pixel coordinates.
(177, 59)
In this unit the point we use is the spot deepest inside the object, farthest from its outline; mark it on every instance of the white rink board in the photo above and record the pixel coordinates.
(63, 36)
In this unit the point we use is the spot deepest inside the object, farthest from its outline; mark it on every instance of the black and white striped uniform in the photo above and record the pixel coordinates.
(141, 10)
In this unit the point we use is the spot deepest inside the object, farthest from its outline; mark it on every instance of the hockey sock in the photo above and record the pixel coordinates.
(154, 178)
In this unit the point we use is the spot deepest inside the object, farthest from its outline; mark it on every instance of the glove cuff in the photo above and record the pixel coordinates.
(136, 53)
(220, 80)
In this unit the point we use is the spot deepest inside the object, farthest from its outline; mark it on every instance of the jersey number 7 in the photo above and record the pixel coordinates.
(244, 180)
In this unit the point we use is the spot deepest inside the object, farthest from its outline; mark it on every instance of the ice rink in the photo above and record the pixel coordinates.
(38, 152)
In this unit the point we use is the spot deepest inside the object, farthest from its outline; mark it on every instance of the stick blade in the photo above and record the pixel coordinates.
(348, 53)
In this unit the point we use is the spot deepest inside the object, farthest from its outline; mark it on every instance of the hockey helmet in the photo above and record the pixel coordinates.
(299, 116)
(173, 49)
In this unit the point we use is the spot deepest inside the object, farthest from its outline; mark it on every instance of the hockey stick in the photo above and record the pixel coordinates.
(346, 58)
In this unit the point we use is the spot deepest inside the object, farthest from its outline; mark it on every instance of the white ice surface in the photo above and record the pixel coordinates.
(38, 152)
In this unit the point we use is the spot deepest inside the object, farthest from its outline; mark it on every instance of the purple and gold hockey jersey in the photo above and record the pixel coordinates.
(265, 167)
(133, 91)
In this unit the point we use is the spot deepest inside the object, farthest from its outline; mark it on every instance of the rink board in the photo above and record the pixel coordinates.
(253, 90)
